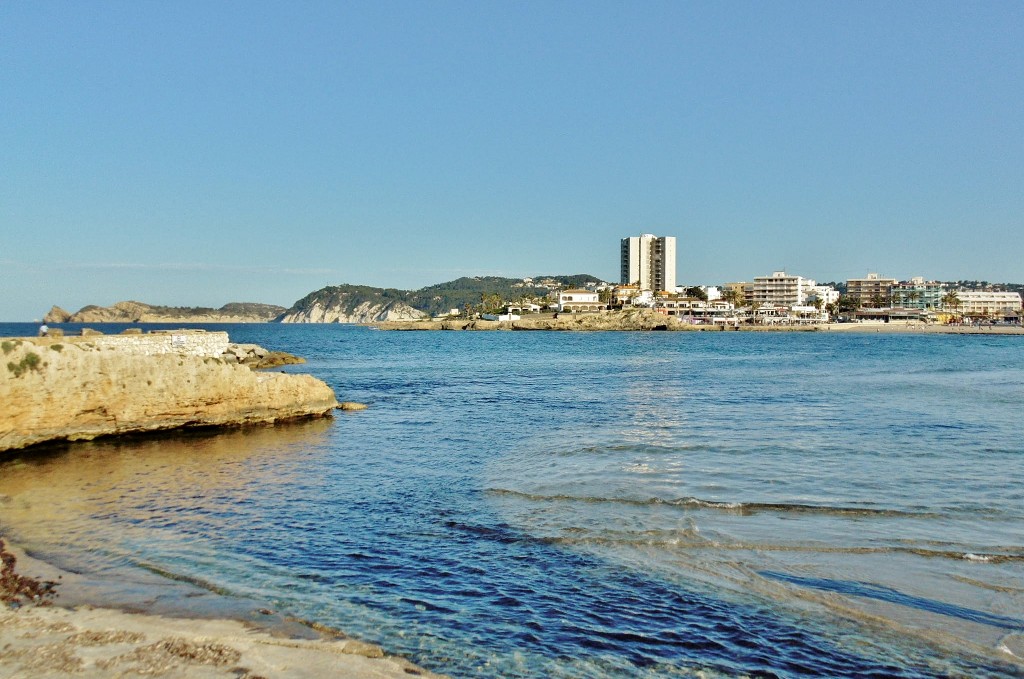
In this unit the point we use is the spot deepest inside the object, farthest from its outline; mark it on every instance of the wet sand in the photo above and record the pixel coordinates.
(66, 638)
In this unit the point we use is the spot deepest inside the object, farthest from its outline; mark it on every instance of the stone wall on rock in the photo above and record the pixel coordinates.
(189, 342)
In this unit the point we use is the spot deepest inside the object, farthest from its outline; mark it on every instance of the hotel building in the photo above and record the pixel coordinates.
(984, 303)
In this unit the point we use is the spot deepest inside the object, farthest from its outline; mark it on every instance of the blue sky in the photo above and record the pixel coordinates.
(198, 153)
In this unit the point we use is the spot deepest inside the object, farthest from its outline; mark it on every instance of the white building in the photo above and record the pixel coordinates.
(984, 303)
(781, 289)
(579, 300)
(649, 261)
(826, 293)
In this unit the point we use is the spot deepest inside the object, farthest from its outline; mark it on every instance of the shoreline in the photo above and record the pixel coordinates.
(649, 322)
(95, 626)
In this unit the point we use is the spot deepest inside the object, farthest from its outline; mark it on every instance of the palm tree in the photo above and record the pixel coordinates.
(951, 299)
(733, 296)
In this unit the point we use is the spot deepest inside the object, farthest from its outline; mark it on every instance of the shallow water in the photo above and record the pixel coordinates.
(601, 505)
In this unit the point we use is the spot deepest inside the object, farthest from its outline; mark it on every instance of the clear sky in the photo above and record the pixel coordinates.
(198, 153)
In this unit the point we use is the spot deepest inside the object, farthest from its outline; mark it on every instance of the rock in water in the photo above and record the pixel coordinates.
(78, 388)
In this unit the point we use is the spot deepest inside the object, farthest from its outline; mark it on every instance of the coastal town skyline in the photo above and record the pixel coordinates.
(197, 155)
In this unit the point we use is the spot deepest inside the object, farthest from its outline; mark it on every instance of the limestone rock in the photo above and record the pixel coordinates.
(56, 315)
(78, 388)
(363, 312)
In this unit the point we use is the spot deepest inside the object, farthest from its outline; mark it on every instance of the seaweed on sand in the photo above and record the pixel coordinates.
(17, 590)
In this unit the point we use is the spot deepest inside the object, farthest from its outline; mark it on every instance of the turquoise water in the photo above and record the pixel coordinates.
(596, 505)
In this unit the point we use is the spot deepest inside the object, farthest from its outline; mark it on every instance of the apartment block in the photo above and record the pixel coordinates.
(985, 303)
(872, 291)
(648, 261)
(917, 293)
(782, 289)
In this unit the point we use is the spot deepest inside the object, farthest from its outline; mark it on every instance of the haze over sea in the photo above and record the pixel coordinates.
(593, 504)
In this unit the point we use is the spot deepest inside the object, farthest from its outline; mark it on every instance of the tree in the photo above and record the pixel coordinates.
(951, 299)
(696, 292)
(734, 296)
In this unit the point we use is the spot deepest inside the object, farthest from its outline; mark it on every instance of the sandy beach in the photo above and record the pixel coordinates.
(646, 320)
(925, 328)
(66, 638)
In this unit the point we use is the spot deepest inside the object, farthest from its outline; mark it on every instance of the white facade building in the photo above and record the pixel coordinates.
(982, 303)
(649, 261)
(781, 289)
(579, 300)
(826, 293)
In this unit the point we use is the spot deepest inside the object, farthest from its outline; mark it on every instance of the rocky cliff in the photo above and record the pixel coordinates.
(78, 388)
(363, 312)
(139, 312)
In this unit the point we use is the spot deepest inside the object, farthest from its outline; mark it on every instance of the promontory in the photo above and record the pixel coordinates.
(82, 387)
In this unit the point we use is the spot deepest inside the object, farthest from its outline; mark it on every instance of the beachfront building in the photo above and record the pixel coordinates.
(917, 293)
(697, 311)
(648, 261)
(579, 300)
(782, 290)
(871, 291)
(988, 304)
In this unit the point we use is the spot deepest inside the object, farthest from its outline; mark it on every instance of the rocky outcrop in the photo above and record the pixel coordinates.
(139, 312)
(78, 388)
(57, 315)
(362, 312)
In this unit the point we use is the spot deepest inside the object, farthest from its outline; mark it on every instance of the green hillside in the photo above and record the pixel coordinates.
(440, 298)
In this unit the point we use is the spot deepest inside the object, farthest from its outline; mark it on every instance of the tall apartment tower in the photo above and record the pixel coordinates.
(649, 261)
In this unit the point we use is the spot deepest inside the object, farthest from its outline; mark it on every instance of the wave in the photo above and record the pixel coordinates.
(890, 595)
(690, 540)
(741, 508)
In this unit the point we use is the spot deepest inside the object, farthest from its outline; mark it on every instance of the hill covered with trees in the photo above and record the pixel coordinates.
(480, 293)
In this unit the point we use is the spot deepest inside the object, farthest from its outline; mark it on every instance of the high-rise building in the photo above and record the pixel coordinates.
(649, 261)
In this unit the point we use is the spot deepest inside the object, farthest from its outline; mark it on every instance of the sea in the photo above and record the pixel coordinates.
(608, 504)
